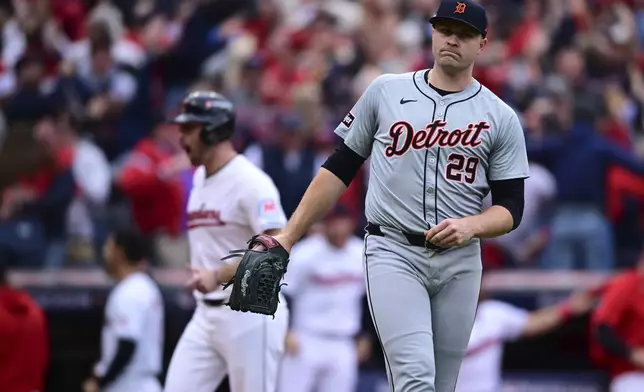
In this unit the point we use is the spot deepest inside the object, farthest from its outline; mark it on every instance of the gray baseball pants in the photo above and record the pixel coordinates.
(422, 304)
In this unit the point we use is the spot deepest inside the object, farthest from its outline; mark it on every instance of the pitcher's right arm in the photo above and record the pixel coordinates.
(357, 130)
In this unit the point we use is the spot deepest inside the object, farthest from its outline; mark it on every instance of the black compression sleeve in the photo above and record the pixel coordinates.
(509, 194)
(344, 163)
(124, 353)
(611, 342)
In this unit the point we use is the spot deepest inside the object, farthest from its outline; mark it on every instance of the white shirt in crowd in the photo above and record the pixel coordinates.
(326, 285)
(134, 311)
(496, 322)
(93, 178)
(226, 209)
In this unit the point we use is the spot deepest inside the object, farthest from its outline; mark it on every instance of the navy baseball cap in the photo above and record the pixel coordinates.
(465, 11)
(338, 211)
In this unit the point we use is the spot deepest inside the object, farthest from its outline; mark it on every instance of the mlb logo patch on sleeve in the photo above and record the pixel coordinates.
(268, 206)
(269, 210)
(348, 120)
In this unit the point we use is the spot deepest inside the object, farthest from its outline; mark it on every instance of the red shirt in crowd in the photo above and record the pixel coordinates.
(622, 309)
(24, 347)
(621, 184)
(71, 17)
(157, 203)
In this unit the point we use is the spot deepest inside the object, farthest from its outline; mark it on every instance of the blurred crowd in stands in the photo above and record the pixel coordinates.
(94, 80)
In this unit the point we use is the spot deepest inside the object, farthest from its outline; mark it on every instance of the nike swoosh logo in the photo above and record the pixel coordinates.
(404, 101)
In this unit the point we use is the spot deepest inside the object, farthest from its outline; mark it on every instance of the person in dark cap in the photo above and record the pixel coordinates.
(459, 35)
(438, 141)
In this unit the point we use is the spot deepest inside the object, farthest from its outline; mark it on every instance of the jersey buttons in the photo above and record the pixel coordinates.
(430, 190)
(442, 103)
(432, 160)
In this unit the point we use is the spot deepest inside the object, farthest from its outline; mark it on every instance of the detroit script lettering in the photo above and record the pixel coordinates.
(404, 137)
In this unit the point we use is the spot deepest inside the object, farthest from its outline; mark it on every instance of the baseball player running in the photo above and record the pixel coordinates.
(499, 322)
(132, 338)
(231, 200)
(325, 288)
(439, 142)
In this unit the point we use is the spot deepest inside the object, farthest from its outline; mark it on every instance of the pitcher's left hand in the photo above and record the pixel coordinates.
(450, 232)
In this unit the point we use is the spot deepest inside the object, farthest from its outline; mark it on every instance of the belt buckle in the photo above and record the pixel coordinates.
(429, 245)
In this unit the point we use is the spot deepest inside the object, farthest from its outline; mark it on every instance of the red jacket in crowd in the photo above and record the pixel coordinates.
(621, 183)
(622, 309)
(157, 202)
(24, 346)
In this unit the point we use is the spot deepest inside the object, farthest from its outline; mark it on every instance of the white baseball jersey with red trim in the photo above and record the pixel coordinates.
(224, 211)
(496, 322)
(228, 208)
(326, 285)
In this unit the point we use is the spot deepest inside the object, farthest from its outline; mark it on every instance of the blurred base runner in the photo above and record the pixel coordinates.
(230, 201)
(252, 344)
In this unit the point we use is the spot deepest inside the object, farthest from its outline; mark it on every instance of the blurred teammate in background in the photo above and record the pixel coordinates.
(325, 287)
(24, 345)
(618, 330)
(499, 322)
(133, 333)
(231, 200)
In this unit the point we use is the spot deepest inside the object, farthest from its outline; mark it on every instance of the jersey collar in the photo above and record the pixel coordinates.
(221, 173)
(423, 87)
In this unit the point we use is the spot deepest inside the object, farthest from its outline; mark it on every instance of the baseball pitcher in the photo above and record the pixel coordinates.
(438, 142)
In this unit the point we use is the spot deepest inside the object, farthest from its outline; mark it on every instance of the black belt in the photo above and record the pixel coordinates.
(213, 302)
(413, 239)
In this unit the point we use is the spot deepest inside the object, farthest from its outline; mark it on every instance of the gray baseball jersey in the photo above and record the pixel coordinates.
(432, 157)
